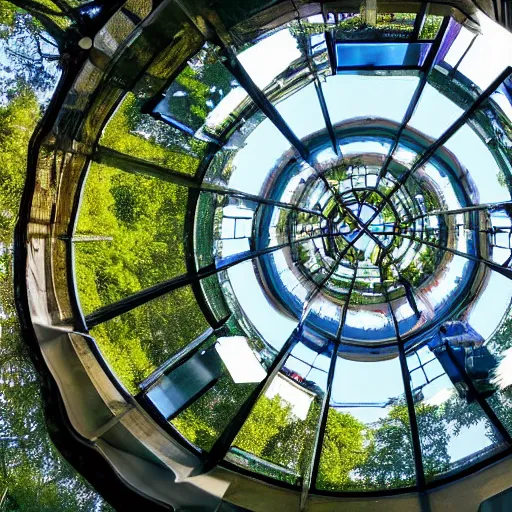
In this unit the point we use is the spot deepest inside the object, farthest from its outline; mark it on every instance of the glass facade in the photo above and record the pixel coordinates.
(297, 253)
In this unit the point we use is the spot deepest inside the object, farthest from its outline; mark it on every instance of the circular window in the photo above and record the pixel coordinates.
(280, 243)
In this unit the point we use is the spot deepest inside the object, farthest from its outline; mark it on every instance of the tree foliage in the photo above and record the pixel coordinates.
(32, 473)
(32, 54)
(135, 227)
(33, 476)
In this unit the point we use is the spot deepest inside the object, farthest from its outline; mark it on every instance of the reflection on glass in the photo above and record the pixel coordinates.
(370, 24)
(430, 27)
(476, 64)
(282, 425)
(136, 343)
(201, 397)
(277, 52)
(133, 133)
(454, 431)
(367, 443)
(199, 96)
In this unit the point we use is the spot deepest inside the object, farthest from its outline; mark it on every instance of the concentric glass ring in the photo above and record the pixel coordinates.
(289, 243)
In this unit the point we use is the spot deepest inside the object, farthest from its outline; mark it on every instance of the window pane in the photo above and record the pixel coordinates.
(129, 236)
(134, 344)
(430, 27)
(229, 367)
(454, 431)
(199, 99)
(340, 91)
(140, 135)
(380, 55)
(275, 328)
(367, 444)
(302, 112)
(282, 425)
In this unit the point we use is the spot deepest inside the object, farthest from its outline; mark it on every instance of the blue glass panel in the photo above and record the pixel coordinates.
(380, 55)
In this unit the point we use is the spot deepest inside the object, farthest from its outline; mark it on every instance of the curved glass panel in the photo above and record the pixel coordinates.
(303, 264)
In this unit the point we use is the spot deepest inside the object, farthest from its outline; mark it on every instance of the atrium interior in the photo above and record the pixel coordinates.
(264, 256)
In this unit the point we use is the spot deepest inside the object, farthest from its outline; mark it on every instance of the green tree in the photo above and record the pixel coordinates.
(17, 122)
(390, 461)
(33, 476)
(32, 473)
(343, 450)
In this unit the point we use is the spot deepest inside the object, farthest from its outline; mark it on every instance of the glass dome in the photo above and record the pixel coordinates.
(280, 234)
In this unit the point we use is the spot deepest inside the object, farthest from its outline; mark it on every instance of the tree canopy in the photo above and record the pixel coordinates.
(33, 475)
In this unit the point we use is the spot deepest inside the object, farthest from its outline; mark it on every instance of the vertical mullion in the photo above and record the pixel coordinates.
(318, 86)
(347, 302)
(224, 442)
(324, 413)
(320, 432)
(419, 22)
(327, 117)
(331, 51)
(238, 71)
(427, 67)
(415, 436)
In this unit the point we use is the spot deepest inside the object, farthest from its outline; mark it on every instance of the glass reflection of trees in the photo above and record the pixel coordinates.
(33, 474)
(132, 234)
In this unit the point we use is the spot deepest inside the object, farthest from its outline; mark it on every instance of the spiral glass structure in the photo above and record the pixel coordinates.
(284, 238)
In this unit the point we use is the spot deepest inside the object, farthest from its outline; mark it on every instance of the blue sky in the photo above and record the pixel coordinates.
(349, 96)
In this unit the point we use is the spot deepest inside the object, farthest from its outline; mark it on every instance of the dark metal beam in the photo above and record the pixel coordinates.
(454, 69)
(419, 22)
(406, 378)
(311, 477)
(142, 297)
(347, 303)
(464, 209)
(427, 67)
(431, 150)
(327, 118)
(364, 227)
(324, 411)
(329, 40)
(237, 70)
(449, 132)
(306, 49)
(128, 163)
(212, 28)
(482, 402)
(224, 442)
(493, 266)
(176, 360)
